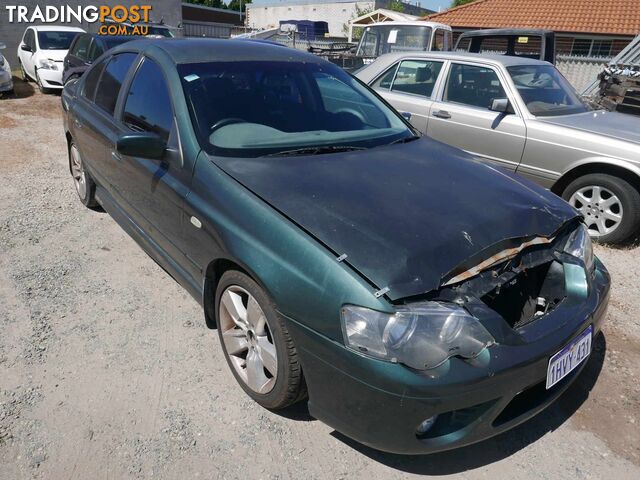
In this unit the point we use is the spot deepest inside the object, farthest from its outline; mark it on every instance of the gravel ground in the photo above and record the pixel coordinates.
(108, 371)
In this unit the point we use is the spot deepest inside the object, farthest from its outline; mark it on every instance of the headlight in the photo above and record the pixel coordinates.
(48, 64)
(1, 61)
(421, 336)
(579, 245)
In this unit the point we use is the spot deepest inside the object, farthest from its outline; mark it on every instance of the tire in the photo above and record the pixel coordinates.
(71, 79)
(85, 186)
(274, 392)
(601, 198)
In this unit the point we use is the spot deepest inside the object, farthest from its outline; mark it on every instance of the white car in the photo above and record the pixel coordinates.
(41, 54)
(6, 83)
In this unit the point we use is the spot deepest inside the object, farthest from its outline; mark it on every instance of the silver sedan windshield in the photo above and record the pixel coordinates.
(545, 91)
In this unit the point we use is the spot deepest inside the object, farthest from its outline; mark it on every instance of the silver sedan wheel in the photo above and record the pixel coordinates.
(247, 339)
(601, 208)
(77, 170)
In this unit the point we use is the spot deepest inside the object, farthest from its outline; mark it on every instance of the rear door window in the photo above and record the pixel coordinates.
(417, 77)
(111, 81)
(149, 113)
(473, 85)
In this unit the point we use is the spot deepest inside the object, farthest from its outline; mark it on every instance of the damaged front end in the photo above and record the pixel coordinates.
(492, 301)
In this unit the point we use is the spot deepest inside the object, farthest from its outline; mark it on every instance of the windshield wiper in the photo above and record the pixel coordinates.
(315, 150)
(405, 140)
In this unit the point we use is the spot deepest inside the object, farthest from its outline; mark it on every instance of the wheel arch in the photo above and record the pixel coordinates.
(69, 138)
(616, 168)
(213, 273)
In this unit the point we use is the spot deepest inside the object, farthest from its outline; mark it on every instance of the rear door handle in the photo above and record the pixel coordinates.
(77, 123)
(442, 114)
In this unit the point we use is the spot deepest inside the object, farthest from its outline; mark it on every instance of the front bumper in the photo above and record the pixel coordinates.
(51, 79)
(381, 404)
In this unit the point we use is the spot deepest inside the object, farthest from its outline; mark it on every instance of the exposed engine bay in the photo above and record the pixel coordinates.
(520, 284)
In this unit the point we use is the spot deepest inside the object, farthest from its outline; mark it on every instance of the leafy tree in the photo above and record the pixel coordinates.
(396, 6)
(235, 4)
(457, 3)
(208, 3)
(357, 31)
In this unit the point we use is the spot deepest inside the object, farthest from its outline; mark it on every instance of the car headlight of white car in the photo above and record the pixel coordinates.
(422, 335)
(48, 64)
(2, 61)
(579, 246)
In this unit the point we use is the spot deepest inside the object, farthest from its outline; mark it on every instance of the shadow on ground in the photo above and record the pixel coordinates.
(505, 444)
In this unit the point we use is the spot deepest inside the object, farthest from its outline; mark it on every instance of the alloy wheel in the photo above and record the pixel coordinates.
(601, 208)
(247, 339)
(78, 173)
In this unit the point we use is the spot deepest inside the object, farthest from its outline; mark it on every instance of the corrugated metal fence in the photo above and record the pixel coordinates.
(581, 71)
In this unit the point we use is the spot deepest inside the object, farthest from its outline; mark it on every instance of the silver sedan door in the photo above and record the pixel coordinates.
(408, 86)
(463, 118)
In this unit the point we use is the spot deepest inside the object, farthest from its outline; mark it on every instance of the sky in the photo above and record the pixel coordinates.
(436, 4)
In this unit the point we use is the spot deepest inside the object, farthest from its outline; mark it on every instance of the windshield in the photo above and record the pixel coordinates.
(379, 40)
(251, 109)
(50, 40)
(545, 91)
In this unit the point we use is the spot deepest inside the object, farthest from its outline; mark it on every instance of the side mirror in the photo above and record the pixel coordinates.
(502, 105)
(145, 145)
(25, 47)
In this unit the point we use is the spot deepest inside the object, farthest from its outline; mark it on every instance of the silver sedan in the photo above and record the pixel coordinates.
(522, 115)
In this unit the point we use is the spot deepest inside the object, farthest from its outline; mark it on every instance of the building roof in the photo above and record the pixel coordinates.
(382, 15)
(607, 17)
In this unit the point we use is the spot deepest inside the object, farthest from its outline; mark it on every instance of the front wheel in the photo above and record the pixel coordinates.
(256, 343)
(85, 186)
(609, 204)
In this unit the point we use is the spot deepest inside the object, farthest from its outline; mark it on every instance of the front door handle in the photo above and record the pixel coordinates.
(77, 123)
(442, 114)
(116, 156)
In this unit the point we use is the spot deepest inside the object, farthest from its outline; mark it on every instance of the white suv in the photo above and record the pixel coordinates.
(41, 54)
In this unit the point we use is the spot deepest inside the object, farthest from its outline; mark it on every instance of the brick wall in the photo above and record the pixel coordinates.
(11, 33)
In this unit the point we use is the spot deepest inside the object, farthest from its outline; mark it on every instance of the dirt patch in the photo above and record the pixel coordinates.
(7, 122)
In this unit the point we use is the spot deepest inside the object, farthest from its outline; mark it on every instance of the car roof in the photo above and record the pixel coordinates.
(410, 23)
(55, 28)
(203, 50)
(497, 59)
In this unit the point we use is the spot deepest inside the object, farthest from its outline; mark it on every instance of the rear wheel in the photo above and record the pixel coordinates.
(85, 186)
(609, 204)
(256, 343)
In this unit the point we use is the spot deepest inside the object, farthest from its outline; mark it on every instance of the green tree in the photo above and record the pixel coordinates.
(235, 4)
(357, 32)
(396, 6)
(457, 3)
(208, 3)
